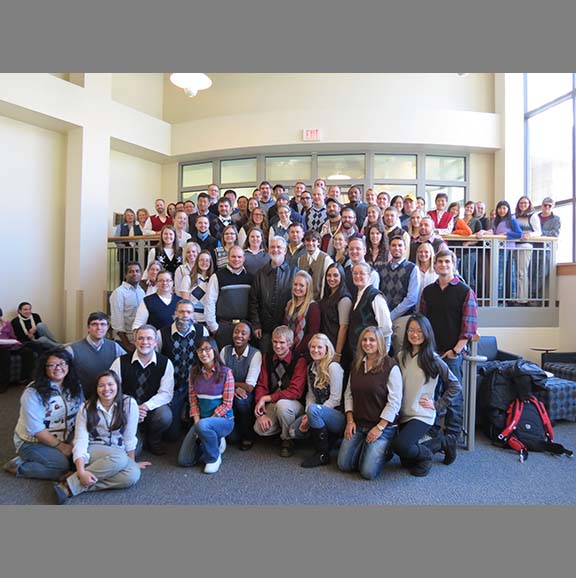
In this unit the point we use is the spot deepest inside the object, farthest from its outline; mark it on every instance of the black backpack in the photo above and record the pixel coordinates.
(528, 428)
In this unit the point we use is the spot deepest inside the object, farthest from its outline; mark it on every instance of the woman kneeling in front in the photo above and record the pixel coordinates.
(211, 398)
(104, 442)
(372, 401)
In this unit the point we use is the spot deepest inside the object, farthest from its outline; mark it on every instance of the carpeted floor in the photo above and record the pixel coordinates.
(486, 476)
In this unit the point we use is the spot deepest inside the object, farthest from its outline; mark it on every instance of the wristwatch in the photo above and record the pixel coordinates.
(380, 427)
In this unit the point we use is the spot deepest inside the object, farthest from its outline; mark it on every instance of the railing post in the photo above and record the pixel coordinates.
(494, 259)
(469, 392)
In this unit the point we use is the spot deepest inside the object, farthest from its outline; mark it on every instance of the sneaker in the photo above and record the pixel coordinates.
(287, 449)
(222, 446)
(12, 466)
(62, 493)
(213, 467)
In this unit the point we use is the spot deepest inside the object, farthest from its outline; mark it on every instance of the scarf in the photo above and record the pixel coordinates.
(23, 324)
(298, 324)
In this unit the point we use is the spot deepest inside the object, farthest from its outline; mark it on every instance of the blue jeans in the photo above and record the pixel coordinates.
(454, 417)
(320, 416)
(202, 441)
(506, 276)
(368, 458)
(42, 462)
(244, 417)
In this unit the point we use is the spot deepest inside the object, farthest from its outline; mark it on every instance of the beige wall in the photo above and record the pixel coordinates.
(32, 193)
(142, 91)
(134, 183)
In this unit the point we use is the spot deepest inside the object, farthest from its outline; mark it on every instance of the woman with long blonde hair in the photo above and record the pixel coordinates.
(190, 254)
(302, 313)
(372, 402)
(425, 265)
(195, 286)
(323, 401)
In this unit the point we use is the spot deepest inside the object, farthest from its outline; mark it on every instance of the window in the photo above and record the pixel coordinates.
(341, 168)
(199, 174)
(549, 115)
(238, 171)
(421, 174)
(282, 169)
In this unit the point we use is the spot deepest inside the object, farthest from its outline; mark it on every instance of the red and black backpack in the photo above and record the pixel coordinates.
(528, 428)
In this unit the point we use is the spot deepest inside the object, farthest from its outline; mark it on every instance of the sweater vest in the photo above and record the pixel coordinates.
(370, 394)
(125, 230)
(167, 263)
(169, 346)
(238, 365)
(132, 371)
(209, 392)
(316, 270)
(329, 319)
(362, 316)
(233, 292)
(89, 362)
(394, 284)
(444, 311)
(160, 314)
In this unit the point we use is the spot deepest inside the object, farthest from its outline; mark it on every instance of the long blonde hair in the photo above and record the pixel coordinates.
(430, 268)
(302, 309)
(382, 350)
(323, 375)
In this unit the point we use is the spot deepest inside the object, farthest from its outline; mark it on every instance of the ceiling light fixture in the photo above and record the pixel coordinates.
(191, 83)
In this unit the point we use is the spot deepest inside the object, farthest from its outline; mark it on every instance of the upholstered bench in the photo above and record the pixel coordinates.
(559, 397)
(561, 364)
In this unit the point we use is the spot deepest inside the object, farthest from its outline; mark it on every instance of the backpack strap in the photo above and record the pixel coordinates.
(507, 436)
(549, 445)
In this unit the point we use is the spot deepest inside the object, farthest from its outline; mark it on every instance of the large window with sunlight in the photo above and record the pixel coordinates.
(550, 106)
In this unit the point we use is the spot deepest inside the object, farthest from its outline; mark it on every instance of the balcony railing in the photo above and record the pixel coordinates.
(502, 273)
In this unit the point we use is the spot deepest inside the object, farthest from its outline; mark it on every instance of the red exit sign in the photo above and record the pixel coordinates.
(311, 134)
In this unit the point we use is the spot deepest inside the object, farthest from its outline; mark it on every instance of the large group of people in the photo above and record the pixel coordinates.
(299, 318)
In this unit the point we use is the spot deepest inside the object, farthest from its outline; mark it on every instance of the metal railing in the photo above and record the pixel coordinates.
(122, 250)
(504, 273)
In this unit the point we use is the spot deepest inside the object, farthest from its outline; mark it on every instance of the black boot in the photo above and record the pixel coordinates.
(423, 462)
(449, 447)
(321, 456)
(435, 444)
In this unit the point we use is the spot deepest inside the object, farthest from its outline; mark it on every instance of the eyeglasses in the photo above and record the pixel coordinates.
(414, 332)
(546, 205)
(204, 350)
(60, 365)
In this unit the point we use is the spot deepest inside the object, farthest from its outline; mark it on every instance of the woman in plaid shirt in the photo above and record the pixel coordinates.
(211, 398)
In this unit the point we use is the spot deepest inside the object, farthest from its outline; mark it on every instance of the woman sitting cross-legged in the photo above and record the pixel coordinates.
(211, 398)
(372, 401)
(323, 402)
(421, 368)
(104, 442)
(45, 427)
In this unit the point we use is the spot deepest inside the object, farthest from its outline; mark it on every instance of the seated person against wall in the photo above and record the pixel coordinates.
(9, 345)
(104, 442)
(158, 309)
(94, 354)
(45, 428)
(323, 413)
(245, 361)
(148, 377)
(280, 389)
(31, 331)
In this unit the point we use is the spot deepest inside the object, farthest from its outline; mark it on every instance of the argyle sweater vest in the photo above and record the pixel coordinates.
(142, 383)
(315, 269)
(394, 283)
(182, 352)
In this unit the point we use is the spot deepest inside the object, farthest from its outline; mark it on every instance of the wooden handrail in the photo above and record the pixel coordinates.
(134, 238)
